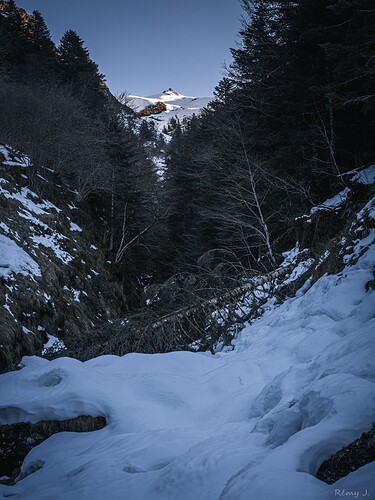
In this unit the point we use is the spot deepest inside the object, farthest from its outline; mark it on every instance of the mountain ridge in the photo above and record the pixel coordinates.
(177, 106)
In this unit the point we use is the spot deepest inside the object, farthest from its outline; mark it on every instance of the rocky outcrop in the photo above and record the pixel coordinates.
(153, 109)
(350, 458)
(16, 440)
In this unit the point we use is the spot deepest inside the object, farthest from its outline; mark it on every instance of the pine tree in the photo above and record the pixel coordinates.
(14, 41)
(349, 47)
(40, 36)
(223, 92)
(147, 131)
(79, 71)
(188, 193)
(42, 63)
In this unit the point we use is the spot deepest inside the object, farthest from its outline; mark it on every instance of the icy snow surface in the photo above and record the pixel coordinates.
(251, 424)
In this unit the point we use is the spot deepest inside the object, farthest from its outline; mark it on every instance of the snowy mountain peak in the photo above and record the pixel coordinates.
(169, 95)
(171, 92)
(168, 104)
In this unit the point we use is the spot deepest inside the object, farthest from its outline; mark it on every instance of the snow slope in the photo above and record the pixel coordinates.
(178, 106)
(253, 423)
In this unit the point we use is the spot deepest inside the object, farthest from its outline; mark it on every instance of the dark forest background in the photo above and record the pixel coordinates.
(293, 113)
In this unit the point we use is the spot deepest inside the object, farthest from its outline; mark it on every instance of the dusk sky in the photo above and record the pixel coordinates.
(146, 46)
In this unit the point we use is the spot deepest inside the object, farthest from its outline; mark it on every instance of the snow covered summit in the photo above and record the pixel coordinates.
(175, 105)
(170, 92)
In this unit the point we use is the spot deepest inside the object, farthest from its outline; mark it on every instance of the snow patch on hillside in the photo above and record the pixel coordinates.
(13, 158)
(41, 250)
(52, 345)
(52, 241)
(75, 227)
(32, 208)
(14, 260)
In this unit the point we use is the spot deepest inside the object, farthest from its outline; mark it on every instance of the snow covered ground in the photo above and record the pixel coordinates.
(253, 423)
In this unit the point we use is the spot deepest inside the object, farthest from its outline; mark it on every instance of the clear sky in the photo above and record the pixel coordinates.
(145, 46)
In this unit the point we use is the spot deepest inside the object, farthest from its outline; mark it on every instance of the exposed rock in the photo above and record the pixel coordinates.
(357, 454)
(170, 91)
(18, 439)
(153, 109)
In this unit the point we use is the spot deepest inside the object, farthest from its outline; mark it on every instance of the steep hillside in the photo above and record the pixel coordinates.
(54, 281)
(256, 420)
(177, 106)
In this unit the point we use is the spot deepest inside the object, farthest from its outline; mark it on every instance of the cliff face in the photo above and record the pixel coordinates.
(55, 280)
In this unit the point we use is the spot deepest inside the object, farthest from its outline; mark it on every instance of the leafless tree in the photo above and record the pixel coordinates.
(243, 190)
(126, 243)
